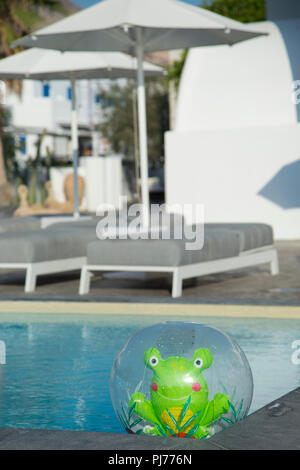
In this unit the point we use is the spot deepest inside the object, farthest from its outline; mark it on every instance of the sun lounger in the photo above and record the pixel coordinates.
(226, 247)
(252, 236)
(61, 247)
(68, 246)
(44, 252)
(19, 224)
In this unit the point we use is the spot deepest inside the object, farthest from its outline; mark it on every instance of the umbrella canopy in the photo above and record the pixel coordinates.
(45, 64)
(139, 26)
(42, 64)
(111, 25)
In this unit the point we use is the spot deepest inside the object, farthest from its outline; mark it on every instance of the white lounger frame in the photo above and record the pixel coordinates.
(45, 267)
(267, 254)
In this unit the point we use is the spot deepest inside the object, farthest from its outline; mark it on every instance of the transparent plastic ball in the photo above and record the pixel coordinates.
(180, 379)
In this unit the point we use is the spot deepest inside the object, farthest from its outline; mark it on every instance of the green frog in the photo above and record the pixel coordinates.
(179, 403)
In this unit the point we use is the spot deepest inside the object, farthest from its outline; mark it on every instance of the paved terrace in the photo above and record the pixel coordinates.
(252, 286)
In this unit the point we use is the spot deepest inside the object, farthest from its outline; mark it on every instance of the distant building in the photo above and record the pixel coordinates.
(44, 109)
(46, 106)
(235, 146)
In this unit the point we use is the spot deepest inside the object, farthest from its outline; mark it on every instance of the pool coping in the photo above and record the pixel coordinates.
(273, 427)
(158, 309)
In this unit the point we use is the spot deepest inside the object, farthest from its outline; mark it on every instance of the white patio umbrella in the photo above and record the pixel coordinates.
(139, 26)
(42, 64)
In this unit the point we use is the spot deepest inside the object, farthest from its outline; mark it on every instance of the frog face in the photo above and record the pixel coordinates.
(175, 379)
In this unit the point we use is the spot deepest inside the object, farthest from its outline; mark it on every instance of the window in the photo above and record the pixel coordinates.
(46, 90)
(23, 144)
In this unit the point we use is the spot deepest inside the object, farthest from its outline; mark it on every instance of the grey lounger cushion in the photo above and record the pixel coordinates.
(74, 225)
(93, 222)
(217, 245)
(38, 246)
(22, 224)
(252, 235)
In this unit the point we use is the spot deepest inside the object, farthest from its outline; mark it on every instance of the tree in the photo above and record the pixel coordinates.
(17, 18)
(20, 17)
(118, 126)
(120, 123)
(175, 69)
(6, 192)
(245, 11)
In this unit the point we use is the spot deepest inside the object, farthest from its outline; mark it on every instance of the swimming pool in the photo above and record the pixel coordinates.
(57, 367)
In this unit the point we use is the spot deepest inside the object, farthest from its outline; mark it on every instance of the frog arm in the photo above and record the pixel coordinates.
(214, 409)
(143, 408)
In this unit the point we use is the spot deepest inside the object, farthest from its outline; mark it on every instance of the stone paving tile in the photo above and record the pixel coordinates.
(253, 285)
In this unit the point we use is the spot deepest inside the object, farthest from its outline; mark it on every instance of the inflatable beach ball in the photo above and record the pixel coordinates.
(180, 379)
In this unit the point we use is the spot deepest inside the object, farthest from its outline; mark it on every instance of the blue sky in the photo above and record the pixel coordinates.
(88, 3)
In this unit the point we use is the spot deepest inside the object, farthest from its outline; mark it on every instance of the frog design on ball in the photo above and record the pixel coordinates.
(179, 404)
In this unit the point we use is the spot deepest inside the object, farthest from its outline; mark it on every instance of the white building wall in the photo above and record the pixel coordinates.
(32, 113)
(237, 129)
(225, 170)
(31, 110)
(248, 84)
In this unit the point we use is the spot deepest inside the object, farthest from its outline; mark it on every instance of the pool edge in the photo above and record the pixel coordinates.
(262, 430)
(160, 309)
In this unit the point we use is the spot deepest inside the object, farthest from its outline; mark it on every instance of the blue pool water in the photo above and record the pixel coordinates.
(57, 367)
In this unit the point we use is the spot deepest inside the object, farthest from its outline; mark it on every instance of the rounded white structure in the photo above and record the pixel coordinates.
(246, 85)
(236, 143)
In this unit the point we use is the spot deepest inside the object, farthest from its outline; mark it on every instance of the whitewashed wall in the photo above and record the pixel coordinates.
(103, 181)
(103, 176)
(237, 129)
(225, 170)
(33, 112)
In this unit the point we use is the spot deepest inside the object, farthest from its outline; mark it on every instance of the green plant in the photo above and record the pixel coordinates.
(127, 420)
(174, 70)
(179, 424)
(237, 412)
(244, 11)
(118, 104)
(236, 409)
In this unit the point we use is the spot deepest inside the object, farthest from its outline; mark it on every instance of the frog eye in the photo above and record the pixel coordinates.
(153, 361)
(198, 362)
(152, 357)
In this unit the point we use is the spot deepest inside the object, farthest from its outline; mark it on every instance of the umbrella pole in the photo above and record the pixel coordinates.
(142, 130)
(75, 148)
